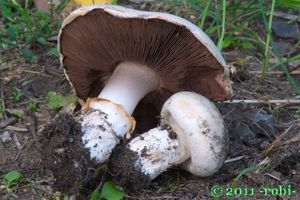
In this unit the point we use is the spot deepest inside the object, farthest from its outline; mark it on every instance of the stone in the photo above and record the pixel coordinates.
(264, 124)
(285, 29)
(244, 132)
(6, 137)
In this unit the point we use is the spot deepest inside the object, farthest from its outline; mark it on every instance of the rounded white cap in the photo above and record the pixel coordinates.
(200, 129)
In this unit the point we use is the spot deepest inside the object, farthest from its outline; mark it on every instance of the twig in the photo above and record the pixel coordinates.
(52, 39)
(295, 72)
(17, 141)
(9, 195)
(263, 130)
(253, 94)
(234, 159)
(258, 101)
(273, 176)
(296, 138)
(42, 190)
(35, 72)
(33, 125)
(48, 181)
(2, 99)
(275, 143)
(17, 156)
(247, 14)
(296, 123)
(17, 129)
(7, 122)
(228, 113)
(286, 16)
(25, 102)
(163, 197)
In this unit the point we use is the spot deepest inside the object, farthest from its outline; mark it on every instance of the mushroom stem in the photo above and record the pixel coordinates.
(156, 150)
(191, 134)
(129, 83)
(108, 118)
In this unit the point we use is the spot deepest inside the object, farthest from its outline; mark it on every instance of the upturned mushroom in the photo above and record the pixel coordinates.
(191, 134)
(115, 56)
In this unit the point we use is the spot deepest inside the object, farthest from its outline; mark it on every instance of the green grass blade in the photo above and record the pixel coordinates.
(269, 32)
(220, 42)
(278, 55)
(204, 14)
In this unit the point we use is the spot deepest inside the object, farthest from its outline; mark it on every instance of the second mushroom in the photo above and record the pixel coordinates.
(191, 134)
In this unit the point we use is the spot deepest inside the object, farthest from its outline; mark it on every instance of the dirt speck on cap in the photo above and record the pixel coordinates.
(172, 134)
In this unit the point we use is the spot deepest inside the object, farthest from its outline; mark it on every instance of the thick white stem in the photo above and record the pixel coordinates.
(97, 136)
(109, 117)
(157, 150)
(128, 84)
(103, 126)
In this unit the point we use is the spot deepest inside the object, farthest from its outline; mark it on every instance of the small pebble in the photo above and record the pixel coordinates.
(71, 140)
(263, 123)
(264, 145)
(6, 137)
(245, 133)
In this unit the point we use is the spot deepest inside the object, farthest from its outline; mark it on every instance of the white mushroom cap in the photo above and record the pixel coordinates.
(200, 131)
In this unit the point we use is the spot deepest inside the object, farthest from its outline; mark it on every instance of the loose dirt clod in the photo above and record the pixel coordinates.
(63, 153)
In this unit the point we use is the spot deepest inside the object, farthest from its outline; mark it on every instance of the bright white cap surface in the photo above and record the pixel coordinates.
(200, 129)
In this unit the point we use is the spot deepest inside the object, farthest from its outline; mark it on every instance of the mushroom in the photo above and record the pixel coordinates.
(115, 56)
(191, 134)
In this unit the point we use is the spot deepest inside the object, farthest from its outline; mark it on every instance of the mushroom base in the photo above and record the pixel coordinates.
(144, 158)
(122, 167)
(103, 125)
(63, 153)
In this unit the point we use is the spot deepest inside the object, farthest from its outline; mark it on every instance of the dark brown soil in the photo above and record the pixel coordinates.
(63, 153)
(131, 178)
(122, 165)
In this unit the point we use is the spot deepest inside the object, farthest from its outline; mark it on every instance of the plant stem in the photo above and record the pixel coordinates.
(278, 55)
(204, 15)
(220, 42)
(269, 32)
(286, 61)
(26, 4)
